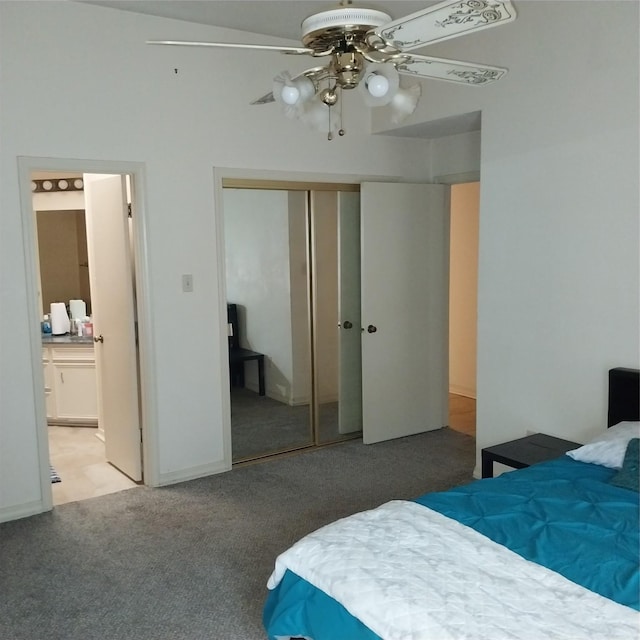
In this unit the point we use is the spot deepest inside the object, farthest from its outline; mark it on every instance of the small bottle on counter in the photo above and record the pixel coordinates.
(87, 327)
(46, 324)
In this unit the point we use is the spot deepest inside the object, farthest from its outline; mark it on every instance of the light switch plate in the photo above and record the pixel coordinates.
(187, 283)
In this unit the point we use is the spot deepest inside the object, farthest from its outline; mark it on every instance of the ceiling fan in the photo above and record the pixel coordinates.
(368, 50)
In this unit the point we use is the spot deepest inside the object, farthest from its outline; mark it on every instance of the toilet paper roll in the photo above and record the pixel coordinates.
(59, 319)
(77, 309)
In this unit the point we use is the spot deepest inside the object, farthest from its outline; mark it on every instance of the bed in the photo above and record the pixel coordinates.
(549, 551)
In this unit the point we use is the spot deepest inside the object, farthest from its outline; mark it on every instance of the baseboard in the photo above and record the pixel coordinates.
(22, 511)
(462, 391)
(192, 473)
(70, 422)
(273, 394)
(328, 399)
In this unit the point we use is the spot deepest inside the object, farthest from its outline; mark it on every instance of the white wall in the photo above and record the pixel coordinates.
(455, 155)
(119, 99)
(256, 229)
(463, 288)
(558, 263)
(558, 276)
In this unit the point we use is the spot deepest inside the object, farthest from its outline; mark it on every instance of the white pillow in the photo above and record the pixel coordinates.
(608, 449)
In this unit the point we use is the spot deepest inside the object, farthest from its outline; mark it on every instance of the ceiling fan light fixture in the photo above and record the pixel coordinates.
(367, 50)
(316, 114)
(292, 93)
(404, 103)
(379, 84)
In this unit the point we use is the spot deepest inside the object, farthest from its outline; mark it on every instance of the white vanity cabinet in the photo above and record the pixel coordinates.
(70, 384)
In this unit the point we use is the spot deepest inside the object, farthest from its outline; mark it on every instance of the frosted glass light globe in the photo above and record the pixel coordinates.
(290, 95)
(377, 85)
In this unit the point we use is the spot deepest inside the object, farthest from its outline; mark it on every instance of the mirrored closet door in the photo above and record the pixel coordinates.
(293, 281)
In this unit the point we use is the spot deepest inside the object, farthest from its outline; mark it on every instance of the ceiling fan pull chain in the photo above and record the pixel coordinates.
(341, 130)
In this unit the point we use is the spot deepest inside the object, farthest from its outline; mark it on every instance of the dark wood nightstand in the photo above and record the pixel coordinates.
(524, 452)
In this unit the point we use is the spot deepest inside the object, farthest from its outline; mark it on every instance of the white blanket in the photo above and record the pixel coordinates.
(410, 573)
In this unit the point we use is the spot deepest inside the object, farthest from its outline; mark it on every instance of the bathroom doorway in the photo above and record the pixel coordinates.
(83, 452)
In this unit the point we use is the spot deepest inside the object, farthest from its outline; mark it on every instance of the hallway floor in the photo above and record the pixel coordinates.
(462, 414)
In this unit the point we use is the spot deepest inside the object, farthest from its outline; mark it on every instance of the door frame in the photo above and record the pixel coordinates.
(230, 177)
(148, 400)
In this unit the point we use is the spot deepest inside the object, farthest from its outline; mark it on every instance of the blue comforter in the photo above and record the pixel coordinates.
(561, 514)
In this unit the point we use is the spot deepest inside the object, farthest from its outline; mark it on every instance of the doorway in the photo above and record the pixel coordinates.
(463, 305)
(291, 358)
(85, 455)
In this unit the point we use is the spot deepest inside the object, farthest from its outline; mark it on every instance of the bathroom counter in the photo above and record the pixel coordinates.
(70, 381)
(66, 339)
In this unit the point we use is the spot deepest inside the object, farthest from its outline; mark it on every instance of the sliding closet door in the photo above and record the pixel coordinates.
(349, 326)
(293, 276)
(266, 250)
(405, 277)
(336, 314)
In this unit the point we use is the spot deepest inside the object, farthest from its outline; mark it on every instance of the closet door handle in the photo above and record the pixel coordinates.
(372, 328)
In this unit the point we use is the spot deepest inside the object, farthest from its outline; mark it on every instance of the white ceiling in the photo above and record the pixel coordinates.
(281, 18)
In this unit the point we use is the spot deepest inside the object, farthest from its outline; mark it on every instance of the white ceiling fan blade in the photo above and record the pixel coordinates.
(451, 70)
(445, 20)
(265, 99)
(231, 45)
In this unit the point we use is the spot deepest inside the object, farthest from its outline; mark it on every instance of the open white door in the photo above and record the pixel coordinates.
(405, 280)
(349, 309)
(112, 300)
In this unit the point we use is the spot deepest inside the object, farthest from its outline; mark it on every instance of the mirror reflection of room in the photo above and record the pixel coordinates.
(266, 278)
(274, 300)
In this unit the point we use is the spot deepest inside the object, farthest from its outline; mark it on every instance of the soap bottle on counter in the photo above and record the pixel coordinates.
(46, 324)
(87, 327)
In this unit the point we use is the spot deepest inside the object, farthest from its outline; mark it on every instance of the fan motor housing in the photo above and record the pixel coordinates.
(327, 29)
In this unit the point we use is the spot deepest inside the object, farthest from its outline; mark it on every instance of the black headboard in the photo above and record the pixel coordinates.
(624, 395)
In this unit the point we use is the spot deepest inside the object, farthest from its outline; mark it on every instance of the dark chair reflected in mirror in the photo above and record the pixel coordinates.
(261, 425)
(238, 355)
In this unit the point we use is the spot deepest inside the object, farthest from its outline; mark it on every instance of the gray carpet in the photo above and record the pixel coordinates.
(191, 561)
(261, 425)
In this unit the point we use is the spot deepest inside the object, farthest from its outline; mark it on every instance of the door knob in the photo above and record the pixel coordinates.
(347, 325)
(372, 328)
(98, 338)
